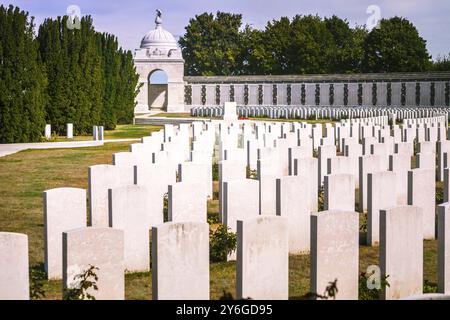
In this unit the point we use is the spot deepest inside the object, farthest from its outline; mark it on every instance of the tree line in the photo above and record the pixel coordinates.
(61, 75)
(306, 44)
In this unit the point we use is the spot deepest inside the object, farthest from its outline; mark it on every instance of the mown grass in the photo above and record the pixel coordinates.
(131, 131)
(128, 131)
(25, 175)
(173, 115)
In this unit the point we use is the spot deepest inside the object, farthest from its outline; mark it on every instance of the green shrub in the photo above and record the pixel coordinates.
(252, 174)
(429, 287)
(37, 277)
(363, 226)
(166, 207)
(213, 218)
(87, 280)
(222, 242)
(370, 294)
(215, 172)
(321, 199)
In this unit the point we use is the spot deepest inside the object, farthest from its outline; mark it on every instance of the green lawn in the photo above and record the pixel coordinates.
(131, 131)
(25, 175)
(128, 131)
(172, 115)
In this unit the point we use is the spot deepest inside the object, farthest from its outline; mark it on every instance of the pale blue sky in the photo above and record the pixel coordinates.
(130, 20)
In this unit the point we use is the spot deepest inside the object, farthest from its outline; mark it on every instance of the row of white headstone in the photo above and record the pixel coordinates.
(274, 215)
(315, 112)
(98, 132)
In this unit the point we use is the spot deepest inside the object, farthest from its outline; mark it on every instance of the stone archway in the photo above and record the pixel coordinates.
(158, 90)
(159, 51)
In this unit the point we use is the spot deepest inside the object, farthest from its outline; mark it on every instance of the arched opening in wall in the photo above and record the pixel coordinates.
(157, 90)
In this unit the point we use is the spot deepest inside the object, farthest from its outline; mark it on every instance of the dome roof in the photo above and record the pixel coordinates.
(158, 37)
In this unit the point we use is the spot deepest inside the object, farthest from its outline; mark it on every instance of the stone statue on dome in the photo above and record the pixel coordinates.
(158, 19)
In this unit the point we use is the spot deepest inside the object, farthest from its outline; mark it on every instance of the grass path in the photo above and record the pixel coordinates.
(128, 131)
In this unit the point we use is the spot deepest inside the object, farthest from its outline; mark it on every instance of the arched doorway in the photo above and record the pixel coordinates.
(157, 90)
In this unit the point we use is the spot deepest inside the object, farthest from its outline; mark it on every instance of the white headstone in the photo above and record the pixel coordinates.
(367, 164)
(48, 131)
(308, 168)
(335, 252)
(292, 204)
(401, 251)
(101, 133)
(64, 209)
(69, 131)
(130, 211)
(95, 133)
(229, 171)
(268, 172)
(241, 201)
(382, 194)
(442, 147)
(230, 111)
(187, 202)
(194, 172)
(444, 248)
(325, 152)
(262, 259)
(422, 193)
(102, 178)
(446, 185)
(14, 278)
(339, 192)
(102, 248)
(400, 164)
(426, 161)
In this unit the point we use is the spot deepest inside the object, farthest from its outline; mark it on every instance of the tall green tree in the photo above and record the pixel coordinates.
(22, 79)
(220, 45)
(312, 45)
(442, 63)
(91, 80)
(346, 47)
(74, 66)
(253, 58)
(119, 81)
(211, 45)
(128, 88)
(395, 46)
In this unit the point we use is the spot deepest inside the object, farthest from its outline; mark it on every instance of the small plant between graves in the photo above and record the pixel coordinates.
(330, 292)
(222, 242)
(86, 280)
(166, 207)
(321, 199)
(37, 277)
(215, 172)
(363, 224)
(252, 174)
(429, 287)
(366, 293)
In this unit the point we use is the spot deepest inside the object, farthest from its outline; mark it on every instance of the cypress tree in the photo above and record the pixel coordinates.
(64, 75)
(91, 80)
(127, 88)
(22, 79)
